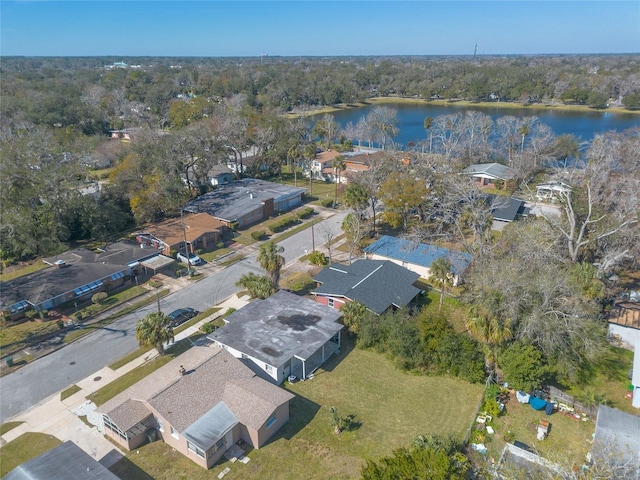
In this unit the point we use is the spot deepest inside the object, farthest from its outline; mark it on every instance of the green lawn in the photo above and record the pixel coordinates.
(389, 409)
(23, 449)
(5, 427)
(112, 389)
(69, 391)
(567, 439)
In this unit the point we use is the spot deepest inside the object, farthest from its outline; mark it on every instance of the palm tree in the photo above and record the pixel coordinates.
(258, 286)
(153, 331)
(271, 261)
(428, 123)
(441, 273)
(490, 330)
(523, 131)
(338, 165)
(293, 154)
(310, 154)
(336, 420)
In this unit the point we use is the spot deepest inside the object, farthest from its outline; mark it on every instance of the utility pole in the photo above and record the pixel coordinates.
(313, 237)
(158, 301)
(186, 248)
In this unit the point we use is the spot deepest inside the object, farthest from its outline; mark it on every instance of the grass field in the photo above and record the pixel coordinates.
(389, 409)
(23, 449)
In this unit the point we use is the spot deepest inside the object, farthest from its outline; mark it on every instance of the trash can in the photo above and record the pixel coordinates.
(152, 435)
(9, 361)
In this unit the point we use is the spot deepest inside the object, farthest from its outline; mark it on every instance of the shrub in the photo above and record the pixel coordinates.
(282, 224)
(318, 258)
(229, 311)
(99, 297)
(306, 213)
(327, 202)
(207, 327)
(30, 314)
(44, 314)
(220, 245)
(234, 226)
(258, 235)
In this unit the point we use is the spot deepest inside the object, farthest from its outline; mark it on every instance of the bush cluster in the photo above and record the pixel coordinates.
(327, 202)
(424, 343)
(306, 213)
(282, 224)
(258, 235)
(318, 258)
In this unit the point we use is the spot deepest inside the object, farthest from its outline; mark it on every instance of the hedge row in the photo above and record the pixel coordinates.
(306, 213)
(282, 224)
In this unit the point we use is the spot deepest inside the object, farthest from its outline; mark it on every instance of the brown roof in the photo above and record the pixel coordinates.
(213, 375)
(196, 225)
(129, 414)
(626, 314)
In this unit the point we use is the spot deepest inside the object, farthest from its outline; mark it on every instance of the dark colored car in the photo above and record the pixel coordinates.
(181, 315)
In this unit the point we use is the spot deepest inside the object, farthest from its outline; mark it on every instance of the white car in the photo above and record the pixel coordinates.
(193, 258)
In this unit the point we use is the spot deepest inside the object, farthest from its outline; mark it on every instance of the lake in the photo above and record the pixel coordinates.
(584, 124)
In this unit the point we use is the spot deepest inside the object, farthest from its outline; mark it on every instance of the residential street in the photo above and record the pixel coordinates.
(48, 375)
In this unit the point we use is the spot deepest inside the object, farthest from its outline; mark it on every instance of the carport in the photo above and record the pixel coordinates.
(156, 263)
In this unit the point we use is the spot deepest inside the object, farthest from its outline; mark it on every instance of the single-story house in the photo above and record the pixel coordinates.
(616, 442)
(246, 201)
(624, 322)
(201, 404)
(552, 191)
(322, 165)
(417, 257)
(66, 461)
(219, 175)
(485, 174)
(284, 335)
(505, 210)
(75, 276)
(377, 284)
(201, 230)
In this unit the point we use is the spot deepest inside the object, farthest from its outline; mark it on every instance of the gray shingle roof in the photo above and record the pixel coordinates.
(277, 328)
(66, 461)
(617, 437)
(213, 376)
(489, 170)
(377, 284)
(236, 199)
(507, 209)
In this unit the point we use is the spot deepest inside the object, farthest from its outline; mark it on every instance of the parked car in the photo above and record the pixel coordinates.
(181, 315)
(193, 258)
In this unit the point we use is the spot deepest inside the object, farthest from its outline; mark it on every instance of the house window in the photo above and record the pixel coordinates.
(330, 302)
(193, 448)
(271, 421)
(219, 444)
(174, 434)
(268, 368)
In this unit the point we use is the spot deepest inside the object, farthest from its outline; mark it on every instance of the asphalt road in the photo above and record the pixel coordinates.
(37, 381)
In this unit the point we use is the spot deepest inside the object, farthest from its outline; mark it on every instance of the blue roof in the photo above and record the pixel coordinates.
(421, 254)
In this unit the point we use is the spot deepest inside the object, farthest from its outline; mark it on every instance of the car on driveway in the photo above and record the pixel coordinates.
(192, 260)
(181, 315)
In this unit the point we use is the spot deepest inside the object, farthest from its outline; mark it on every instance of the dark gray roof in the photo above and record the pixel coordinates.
(80, 267)
(234, 200)
(66, 461)
(377, 284)
(218, 170)
(489, 170)
(507, 209)
(280, 327)
(421, 254)
(617, 437)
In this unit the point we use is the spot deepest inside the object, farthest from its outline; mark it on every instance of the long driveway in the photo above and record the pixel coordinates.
(37, 381)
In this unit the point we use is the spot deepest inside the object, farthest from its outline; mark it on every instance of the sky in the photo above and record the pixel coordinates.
(316, 28)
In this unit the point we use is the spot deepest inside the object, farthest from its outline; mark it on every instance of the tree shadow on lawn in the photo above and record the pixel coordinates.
(302, 411)
(125, 468)
(348, 342)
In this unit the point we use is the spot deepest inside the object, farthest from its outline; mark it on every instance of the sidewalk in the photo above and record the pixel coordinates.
(60, 418)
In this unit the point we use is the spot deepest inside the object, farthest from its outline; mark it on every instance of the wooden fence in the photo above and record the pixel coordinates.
(557, 395)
